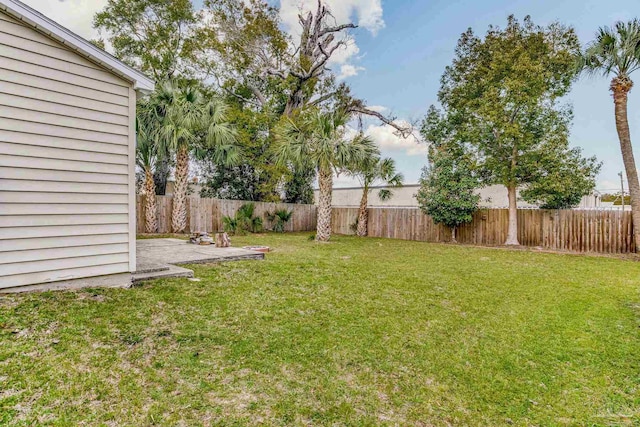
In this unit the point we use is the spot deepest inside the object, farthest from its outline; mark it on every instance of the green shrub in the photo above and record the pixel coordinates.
(244, 221)
(279, 219)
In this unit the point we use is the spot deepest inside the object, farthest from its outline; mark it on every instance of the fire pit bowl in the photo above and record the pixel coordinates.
(263, 249)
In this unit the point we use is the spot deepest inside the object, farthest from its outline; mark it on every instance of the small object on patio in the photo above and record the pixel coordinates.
(200, 238)
(263, 249)
(223, 240)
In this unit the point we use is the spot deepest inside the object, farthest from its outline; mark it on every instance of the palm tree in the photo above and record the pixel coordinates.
(319, 138)
(146, 157)
(616, 51)
(372, 171)
(191, 123)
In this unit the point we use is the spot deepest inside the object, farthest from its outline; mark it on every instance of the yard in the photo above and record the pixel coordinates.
(353, 332)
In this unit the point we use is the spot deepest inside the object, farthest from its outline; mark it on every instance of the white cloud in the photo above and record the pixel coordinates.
(75, 15)
(366, 13)
(348, 70)
(387, 138)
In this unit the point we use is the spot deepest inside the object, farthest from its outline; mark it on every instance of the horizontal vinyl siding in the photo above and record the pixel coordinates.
(55, 142)
(73, 198)
(34, 53)
(60, 242)
(61, 119)
(60, 209)
(42, 82)
(59, 275)
(33, 161)
(64, 162)
(62, 98)
(62, 253)
(60, 231)
(36, 127)
(51, 220)
(61, 187)
(30, 173)
(52, 106)
(61, 153)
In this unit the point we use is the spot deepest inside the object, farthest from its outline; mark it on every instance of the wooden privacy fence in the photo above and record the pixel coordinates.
(564, 230)
(206, 214)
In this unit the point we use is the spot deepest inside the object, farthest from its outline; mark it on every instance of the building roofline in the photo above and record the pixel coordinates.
(52, 29)
(377, 187)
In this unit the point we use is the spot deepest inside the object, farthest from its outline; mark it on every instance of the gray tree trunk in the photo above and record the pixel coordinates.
(621, 88)
(179, 208)
(512, 233)
(363, 215)
(325, 182)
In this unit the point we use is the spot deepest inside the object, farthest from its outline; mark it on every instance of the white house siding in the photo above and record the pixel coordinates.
(66, 157)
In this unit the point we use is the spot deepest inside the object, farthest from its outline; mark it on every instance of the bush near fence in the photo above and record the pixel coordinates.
(205, 215)
(563, 230)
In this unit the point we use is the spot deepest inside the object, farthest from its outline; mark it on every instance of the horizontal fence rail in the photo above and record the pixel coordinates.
(205, 215)
(564, 230)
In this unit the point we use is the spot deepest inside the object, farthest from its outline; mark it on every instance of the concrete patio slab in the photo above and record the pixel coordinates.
(158, 258)
(169, 272)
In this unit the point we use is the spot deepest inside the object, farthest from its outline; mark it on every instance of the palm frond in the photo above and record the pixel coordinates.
(615, 50)
(385, 194)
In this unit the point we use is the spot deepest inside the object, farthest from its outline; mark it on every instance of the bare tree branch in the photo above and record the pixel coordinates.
(404, 131)
(337, 29)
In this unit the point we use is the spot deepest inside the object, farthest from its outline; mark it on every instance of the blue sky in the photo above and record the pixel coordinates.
(404, 61)
(403, 47)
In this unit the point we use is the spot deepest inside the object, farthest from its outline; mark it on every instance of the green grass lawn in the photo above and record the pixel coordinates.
(354, 332)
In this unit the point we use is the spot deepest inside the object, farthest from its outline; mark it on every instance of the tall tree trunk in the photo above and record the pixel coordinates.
(363, 214)
(512, 233)
(620, 86)
(160, 177)
(150, 218)
(454, 231)
(179, 210)
(325, 182)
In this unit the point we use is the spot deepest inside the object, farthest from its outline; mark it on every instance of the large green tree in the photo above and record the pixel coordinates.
(267, 71)
(502, 92)
(448, 184)
(320, 139)
(616, 51)
(156, 36)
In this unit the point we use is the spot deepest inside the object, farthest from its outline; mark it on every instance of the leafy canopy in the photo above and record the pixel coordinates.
(447, 186)
(184, 117)
(320, 139)
(501, 97)
(156, 36)
(614, 51)
(562, 180)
